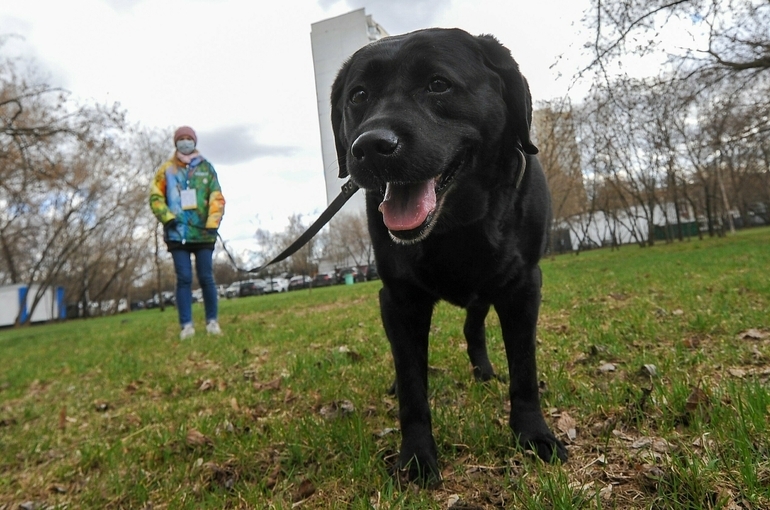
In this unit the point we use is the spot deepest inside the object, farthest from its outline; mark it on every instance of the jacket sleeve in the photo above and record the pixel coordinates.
(216, 202)
(158, 203)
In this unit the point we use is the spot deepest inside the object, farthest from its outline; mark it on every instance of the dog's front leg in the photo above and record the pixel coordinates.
(406, 314)
(518, 312)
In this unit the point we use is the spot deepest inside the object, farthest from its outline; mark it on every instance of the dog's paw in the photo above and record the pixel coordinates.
(532, 433)
(484, 373)
(418, 463)
(424, 473)
(546, 446)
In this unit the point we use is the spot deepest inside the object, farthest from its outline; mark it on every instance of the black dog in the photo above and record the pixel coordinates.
(434, 125)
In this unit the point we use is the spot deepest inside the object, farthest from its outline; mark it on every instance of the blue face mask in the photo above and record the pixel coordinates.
(185, 146)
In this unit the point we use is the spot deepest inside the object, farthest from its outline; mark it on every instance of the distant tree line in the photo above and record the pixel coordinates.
(688, 148)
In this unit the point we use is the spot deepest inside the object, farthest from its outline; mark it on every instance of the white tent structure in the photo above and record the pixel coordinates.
(17, 301)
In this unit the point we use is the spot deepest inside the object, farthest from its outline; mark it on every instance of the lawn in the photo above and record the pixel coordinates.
(654, 367)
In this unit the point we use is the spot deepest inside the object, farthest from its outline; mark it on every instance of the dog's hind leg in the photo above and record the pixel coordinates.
(475, 335)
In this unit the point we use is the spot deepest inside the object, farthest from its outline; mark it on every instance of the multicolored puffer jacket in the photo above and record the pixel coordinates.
(191, 195)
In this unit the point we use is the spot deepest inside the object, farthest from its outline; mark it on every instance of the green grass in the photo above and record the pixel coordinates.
(288, 408)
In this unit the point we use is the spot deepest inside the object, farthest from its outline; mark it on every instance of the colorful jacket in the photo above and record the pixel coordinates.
(197, 222)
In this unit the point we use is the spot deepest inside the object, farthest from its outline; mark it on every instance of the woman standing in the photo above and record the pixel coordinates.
(186, 198)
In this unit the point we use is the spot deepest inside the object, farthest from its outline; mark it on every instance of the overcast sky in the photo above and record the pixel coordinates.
(240, 72)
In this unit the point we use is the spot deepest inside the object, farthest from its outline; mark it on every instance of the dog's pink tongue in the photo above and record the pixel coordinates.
(407, 205)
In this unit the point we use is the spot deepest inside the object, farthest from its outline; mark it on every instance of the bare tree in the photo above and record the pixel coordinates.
(73, 190)
(151, 151)
(303, 261)
(729, 36)
(555, 134)
(347, 241)
(61, 178)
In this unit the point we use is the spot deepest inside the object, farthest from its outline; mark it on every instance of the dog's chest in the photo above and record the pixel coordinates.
(457, 272)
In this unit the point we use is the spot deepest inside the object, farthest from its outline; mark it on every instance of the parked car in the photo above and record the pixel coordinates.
(324, 279)
(245, 288)
(169, 299)
(262, 284)
(197, 295)
(371, 273)
(251, 288)
(300, 282)
(278, 284)
(233, 290)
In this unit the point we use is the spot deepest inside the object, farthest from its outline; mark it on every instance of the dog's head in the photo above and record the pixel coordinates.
(428, 115)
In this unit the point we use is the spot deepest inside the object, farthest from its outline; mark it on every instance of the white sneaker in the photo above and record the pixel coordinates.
(213, 328)
(187, 331)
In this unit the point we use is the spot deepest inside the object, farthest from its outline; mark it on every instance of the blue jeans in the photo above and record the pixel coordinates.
(203, 268)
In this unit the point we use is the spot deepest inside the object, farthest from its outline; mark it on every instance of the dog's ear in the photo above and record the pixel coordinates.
(337, 104)
(516, 89)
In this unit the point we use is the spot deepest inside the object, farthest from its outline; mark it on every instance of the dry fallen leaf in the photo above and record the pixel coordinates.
(642, 442)
(305, 490)
(384, 432)
(63, 418)
(567, 425)
(101, 406)
(337, 409)
(272, 479)
(275, 384)
(691, 343)
(696, 400)
(753, 334)
(353, 355)
(607, 367)
(662, 446)
(651, 476)
(196, 438)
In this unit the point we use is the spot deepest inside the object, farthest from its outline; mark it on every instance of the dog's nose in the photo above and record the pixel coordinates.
(374, 144)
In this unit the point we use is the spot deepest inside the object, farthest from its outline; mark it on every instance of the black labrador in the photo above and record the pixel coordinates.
(434, 126)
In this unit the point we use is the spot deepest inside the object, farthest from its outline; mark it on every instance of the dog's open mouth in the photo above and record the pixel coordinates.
(409, 210)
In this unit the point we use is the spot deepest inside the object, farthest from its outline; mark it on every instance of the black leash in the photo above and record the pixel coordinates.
(348, 190)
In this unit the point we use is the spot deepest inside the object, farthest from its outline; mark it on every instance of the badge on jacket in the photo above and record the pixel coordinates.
(189, 199)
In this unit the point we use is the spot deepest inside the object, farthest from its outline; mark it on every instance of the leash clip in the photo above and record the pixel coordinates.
(349, 188)
(523, 167)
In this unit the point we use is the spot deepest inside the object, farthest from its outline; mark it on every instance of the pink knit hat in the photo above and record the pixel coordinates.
(185, 131)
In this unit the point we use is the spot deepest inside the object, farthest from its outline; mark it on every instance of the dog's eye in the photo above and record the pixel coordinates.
(438, 85)
(358, 96)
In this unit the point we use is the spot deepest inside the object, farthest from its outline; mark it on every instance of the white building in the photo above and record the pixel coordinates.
(18, 300)
(334, 40)
(624, 226)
